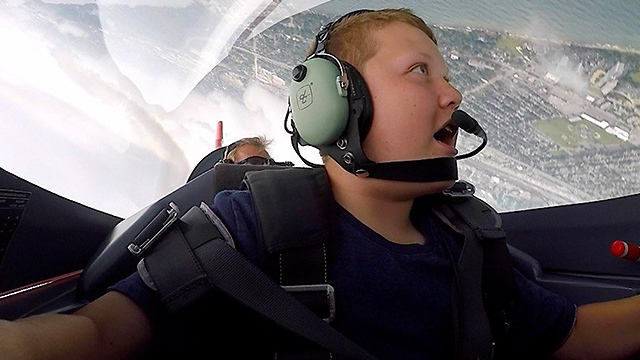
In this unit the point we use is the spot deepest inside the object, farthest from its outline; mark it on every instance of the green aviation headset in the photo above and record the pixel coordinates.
(320, 102)
(330, 105)
(330, 109)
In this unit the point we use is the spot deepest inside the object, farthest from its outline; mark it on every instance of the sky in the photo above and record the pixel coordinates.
(108, 118)
(82, 126)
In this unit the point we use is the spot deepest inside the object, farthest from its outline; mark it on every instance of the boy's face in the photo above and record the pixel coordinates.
(412, 99)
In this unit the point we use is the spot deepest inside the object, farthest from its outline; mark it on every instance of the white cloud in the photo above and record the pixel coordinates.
(181, 45)
(74, 124)
(154, 3)
(259, 112)
(66, 27)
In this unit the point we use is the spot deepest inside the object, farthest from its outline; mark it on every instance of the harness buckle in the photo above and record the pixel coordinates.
(310, 294)
(461, 188)
(154, 230)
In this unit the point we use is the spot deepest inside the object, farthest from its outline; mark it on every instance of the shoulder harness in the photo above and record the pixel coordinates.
(294, 209)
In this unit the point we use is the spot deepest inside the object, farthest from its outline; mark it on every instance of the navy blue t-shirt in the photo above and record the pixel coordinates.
(394, 300)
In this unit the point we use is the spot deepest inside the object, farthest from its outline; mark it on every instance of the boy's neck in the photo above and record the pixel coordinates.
(391, 219)
(375, 205)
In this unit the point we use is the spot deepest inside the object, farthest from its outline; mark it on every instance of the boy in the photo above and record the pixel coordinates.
(389, 264)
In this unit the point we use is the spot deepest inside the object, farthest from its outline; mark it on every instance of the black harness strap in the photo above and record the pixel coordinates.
(294, 207)
(295, 237)
(484, 286)
(177, 273)
(472, 332)
(499, 287)
(303, 273)
(307, 265)
(213, 264)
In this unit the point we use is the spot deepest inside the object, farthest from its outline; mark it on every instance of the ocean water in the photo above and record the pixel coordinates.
(613, 22)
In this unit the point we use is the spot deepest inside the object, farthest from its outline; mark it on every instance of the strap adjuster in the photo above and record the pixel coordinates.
(320, 298)
(156, 227)
(461, 188)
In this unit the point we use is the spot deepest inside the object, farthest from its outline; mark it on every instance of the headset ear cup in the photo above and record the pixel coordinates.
(319, 106)
(360, 92)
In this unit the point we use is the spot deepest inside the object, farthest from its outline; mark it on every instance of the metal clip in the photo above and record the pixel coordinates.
(154, 230)
(325, 288)
(460, 189)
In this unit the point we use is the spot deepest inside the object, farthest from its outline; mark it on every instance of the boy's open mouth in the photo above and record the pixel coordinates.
(447, 134)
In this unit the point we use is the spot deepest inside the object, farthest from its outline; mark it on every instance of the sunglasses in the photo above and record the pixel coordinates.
(253, 160)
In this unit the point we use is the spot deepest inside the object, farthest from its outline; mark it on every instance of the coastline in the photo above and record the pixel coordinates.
(599, 46)
(618, 48)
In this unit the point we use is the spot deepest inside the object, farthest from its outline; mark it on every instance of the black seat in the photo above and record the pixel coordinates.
(113, 261)
(207, 163)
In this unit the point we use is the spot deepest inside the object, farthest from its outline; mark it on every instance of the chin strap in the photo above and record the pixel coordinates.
(426, 170)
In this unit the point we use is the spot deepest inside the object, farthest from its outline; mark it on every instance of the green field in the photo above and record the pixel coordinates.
(636, 77)
(570, 135)
(509, 44)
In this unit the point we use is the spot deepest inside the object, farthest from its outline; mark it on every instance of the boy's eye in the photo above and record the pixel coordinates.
(420, 69)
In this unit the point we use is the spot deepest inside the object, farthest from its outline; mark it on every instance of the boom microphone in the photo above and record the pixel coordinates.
(465, 122)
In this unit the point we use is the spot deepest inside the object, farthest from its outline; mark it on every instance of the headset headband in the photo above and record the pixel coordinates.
(323, 35)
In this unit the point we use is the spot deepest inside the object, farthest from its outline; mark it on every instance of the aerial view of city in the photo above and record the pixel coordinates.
(563, 119)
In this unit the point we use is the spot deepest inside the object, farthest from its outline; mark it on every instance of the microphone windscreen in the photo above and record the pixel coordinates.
(466, 122)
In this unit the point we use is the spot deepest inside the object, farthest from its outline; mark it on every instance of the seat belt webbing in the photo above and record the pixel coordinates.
(472, 331)
(231, 273)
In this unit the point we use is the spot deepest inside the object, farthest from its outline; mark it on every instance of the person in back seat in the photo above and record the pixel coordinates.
(250, 150)
(390, 258)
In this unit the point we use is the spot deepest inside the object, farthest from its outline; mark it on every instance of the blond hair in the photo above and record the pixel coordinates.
(260, 142)
(352, 39)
